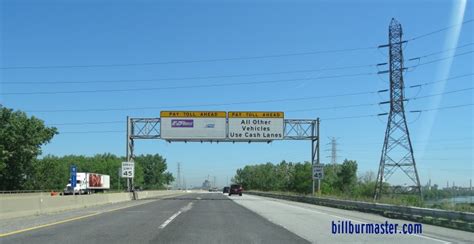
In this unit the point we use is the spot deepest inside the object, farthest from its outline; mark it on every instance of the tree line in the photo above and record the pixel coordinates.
(339, 179)
(52, 172)
(21, 138)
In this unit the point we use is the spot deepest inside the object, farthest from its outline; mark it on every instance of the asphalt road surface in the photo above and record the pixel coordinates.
(213, 218)
(191, 218)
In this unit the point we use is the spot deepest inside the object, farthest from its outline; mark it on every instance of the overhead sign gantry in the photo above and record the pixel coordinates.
(221, 126)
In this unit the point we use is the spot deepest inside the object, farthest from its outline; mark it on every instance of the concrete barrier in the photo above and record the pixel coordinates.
(37, 204)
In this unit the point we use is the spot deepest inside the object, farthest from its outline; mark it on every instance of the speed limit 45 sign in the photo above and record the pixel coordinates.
(128, 169)
(318, 171)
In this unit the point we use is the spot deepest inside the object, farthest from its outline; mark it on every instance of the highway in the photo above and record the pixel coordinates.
(209, 218)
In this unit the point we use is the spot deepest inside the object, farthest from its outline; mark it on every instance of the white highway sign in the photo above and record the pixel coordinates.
(128, 169)
(193, 125)
(318, 171)
(256, 126)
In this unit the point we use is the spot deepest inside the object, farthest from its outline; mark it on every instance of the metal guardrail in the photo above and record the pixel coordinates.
(445, 218)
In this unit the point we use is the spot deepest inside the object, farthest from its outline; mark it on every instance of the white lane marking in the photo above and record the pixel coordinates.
(280, 201)
(182, 210)
(169, 220)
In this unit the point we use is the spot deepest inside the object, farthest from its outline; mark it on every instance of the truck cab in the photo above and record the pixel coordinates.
(81, 185)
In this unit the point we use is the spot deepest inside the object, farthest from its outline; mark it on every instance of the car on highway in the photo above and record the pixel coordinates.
(214, 189)
(235, 189)
(225, 189)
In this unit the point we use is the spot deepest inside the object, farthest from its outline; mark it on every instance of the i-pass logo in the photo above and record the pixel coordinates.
(182, 123)
(210, 125)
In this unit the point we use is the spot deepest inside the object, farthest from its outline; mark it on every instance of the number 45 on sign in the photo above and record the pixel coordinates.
(128, 169)
(318, 171)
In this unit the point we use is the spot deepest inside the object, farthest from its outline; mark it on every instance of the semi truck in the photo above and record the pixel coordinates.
(87, 183)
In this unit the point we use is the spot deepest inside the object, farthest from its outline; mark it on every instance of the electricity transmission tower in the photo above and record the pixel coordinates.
(333, 150)
(397, 151)
(178, 183)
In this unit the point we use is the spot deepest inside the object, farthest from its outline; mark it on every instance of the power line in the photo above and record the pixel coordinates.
(443, 51)
(439, 30)
(441, 93)
(350, 117)
(441, 108)
(323, 119)
(441, 59)
(209, 85)
(433, 82)
(224, 76)
(183, 87)
(373, 115)
(456, 140)
(223, 59)
(333, 107)
(429, 62)
(207, 105)
(194, 77)
(245, 102)
(88, 123)
(93, 132)
(288, 111)
(190, 61)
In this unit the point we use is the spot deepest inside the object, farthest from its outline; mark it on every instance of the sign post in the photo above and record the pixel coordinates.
(73, 173)
(119, 172)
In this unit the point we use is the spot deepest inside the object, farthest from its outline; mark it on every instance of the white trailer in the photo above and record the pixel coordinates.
(87, 183)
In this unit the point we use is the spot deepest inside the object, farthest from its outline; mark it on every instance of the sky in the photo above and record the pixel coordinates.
(285, 49)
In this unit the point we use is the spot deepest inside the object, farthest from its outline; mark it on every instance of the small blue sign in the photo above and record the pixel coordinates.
(73, 176)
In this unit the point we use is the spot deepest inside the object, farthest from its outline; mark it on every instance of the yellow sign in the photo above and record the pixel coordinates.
(256, 115)
(193, 114)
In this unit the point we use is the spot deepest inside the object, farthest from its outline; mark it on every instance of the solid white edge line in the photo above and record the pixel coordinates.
(345, 218)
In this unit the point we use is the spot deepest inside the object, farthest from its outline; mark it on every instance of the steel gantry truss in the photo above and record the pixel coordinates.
(294, 129)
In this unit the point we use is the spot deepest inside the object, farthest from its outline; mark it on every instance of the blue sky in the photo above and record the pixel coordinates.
(68, 33)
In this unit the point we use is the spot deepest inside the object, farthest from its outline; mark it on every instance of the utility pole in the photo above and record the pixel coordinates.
(397, 150)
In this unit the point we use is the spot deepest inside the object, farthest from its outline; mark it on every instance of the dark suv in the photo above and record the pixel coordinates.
(235, 189)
